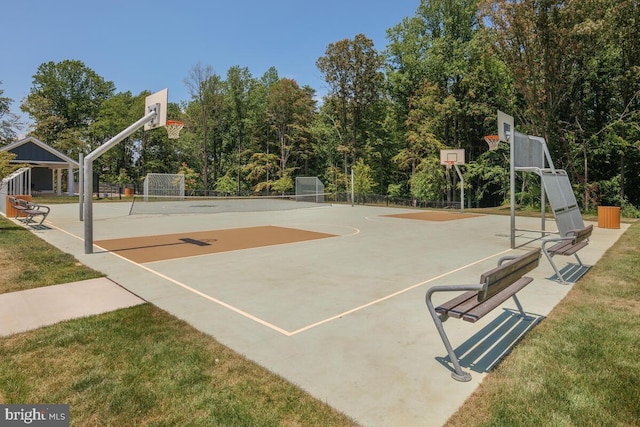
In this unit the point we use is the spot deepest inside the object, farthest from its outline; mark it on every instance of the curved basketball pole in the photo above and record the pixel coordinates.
(87, 202)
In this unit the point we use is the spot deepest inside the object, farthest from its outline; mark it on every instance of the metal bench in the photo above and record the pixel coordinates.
(496, 286)
(30, 210)
(570, 244)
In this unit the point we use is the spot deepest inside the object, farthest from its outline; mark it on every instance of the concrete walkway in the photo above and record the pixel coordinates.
(33, 308)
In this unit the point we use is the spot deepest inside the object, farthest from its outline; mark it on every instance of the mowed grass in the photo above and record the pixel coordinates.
(581, 365)
(137, 366)
(28, 262)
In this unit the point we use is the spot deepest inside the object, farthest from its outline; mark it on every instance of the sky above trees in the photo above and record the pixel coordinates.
(150, 45)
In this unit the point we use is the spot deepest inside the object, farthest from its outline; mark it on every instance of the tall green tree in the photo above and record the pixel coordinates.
(240, 83)
(290, 113)
(446, 80)
(575, 72)
(353, 70)
(207, 91)
(65, 96)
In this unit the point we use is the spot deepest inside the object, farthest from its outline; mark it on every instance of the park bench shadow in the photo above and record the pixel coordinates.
(571, 272)
(486, 348)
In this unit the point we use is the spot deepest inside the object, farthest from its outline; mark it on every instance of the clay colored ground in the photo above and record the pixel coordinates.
(180, 245)
(433, 215)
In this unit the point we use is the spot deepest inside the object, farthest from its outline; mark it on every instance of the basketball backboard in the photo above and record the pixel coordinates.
(158, 101)
(452, 157)
(505, 126)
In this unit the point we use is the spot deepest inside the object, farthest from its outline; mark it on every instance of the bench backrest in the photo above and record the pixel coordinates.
(580, 235)
(504, 275)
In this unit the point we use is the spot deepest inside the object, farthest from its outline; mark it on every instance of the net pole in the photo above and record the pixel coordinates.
(353, 191)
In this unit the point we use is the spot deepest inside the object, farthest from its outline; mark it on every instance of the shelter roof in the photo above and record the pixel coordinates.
(35, 152)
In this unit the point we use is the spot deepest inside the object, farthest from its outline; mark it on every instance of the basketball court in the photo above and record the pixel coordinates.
(330, 297)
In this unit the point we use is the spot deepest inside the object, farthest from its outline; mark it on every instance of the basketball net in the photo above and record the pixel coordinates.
(493, 142)
(449, 164)
(173, 128)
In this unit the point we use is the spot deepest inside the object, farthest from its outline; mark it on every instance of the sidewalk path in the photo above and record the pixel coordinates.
(30, 309)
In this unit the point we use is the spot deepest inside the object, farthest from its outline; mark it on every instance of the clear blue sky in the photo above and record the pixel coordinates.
(149, 45)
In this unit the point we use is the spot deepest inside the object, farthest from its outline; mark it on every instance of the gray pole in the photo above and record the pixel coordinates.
(81, 184)
(87, 206)
(353, 199)
(512, 179)
(461, 188)
(88, 175)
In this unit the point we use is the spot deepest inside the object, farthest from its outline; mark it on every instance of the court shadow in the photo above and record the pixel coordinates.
(571, 273)
(487, 347)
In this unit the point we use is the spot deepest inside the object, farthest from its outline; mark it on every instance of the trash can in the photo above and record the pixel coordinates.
(11, 212)
(608, 217)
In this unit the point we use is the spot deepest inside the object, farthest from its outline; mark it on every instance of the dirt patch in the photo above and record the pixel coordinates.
(169, 246)
(434, 216)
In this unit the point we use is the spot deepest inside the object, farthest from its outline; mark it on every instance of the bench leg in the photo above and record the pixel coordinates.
(522, 313)
(553, 264)
(458, 374)
(578, 259)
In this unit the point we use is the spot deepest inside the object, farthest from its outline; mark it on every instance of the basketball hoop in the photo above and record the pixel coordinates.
(173, 128)
(493, 142)
(449, 163)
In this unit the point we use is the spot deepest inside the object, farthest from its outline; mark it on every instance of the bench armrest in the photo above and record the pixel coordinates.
(548, 240)
(447, 288)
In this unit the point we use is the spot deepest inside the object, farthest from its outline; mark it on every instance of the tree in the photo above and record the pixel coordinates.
(115, 114)
(207, 90)
(65, 96)
(353, 70)
(575, 71)
(239, 85)
(290, 113)
(447, 81)
(8, 120)
(429, 181)
(6, 168)
(363, 180)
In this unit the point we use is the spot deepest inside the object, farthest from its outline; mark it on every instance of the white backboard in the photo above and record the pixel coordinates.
(455, 156)
(158, 100)
(506, 128)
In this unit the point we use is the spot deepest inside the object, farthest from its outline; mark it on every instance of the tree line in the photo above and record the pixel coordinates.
(568, 71)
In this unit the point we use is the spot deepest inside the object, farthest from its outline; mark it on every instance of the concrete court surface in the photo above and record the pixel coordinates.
(342, 317)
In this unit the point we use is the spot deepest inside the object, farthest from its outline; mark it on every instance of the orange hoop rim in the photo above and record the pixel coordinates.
(173, 128)
(493, 141)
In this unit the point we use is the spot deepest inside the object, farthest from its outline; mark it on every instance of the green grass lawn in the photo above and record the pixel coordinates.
(27, 261)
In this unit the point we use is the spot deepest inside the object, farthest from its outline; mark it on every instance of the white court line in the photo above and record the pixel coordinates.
(190, 289)
(369, 304)
(306, 328)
